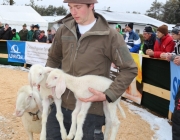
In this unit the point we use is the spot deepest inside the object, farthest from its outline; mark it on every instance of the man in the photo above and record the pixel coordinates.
(49, 36)
(149, 39)
(119, 29)
(85, 44)
(15, 35)
(42, 37)
(23, 33)
(6, 33)
(132, 39)
(1, 26)
(30, 33)
(164, 43)
(36, 33)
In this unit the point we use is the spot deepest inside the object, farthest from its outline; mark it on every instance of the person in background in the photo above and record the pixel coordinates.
(42, 37)
(23, 33)
(6, 33)
(85, 44)
(15, 35)
(36, 33)
(49, 36)
(30, 33)
(53, 32)
(132, 39)
(164, 43)
(149, 39)
(119, 29)
(142, 44)
(1, 26)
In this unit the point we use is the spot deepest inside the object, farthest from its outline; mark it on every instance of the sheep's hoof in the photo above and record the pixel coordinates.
(70, 136)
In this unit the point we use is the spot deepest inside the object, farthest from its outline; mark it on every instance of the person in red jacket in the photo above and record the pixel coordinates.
(164, 43)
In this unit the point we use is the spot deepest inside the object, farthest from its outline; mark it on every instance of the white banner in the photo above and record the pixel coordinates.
(36, 53)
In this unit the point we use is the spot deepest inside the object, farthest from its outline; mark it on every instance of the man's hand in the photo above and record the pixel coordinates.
(163, 55)
(150, 52)
(177, 60)
(168, 57)
(97, 96)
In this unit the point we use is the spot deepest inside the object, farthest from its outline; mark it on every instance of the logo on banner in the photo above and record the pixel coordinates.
(16, 51)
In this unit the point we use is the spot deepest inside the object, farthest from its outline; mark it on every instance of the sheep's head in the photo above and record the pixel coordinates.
(55, 80)
(24, 101)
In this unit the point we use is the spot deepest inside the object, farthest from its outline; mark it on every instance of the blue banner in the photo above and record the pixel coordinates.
(16, 51)
(175, 82)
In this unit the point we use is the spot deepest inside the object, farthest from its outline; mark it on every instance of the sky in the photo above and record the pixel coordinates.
(115, 5)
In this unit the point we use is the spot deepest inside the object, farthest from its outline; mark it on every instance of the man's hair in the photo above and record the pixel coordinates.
(92, 9)
(49, 30)
(6, 24)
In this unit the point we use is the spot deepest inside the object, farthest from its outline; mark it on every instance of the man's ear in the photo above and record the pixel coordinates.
(60, 88)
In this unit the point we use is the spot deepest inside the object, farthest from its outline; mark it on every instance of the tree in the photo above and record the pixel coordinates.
(8, 2)
(155, 10)
(61, 10)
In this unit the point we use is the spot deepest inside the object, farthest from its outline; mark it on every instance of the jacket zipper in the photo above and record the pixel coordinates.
(118, 56)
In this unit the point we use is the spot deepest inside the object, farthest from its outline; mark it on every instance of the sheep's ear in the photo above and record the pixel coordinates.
(60, 88)
(30, 79)
(38, 100)
(47, 70)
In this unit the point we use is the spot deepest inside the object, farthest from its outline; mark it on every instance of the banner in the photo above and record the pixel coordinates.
(175, 82)
(36, 53)
(134, 91)
(16, 51)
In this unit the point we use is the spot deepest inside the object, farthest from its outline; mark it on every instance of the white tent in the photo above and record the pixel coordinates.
(16, 16)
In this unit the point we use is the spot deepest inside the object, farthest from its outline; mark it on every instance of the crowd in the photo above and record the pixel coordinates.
(34, 34)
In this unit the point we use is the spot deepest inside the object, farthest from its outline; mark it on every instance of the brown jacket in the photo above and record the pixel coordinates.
(92, 54)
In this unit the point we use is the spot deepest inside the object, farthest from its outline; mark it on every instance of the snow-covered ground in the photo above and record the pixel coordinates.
(160, 125)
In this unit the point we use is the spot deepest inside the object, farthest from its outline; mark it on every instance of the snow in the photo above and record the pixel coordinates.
(159, 125)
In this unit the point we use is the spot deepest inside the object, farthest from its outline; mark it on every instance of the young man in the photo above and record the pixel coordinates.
(15, 35)
(30, 33)
(42, 37)
(119, 29)
(6, 33)
(23, 33)
(132, 39)
(164, 43)
(149, 39)
(85, 44)
(36, 33)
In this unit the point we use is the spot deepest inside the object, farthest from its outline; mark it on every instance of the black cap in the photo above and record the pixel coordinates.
(36, 26)
(175, 30)
(14, 30)
(148, 29)
(130, 25)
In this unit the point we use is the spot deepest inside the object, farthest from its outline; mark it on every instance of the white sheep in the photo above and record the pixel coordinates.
(37, 76)
(79, 86)
(27, 108)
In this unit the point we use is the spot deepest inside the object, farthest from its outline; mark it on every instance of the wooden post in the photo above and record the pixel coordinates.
(24, 65)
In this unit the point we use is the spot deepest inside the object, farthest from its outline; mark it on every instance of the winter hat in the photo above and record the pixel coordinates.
(148, 29)
(175, 30)
(36, 26)
(118, 26)
(14, 30)
(81, 1)
(130, 25)
(163, 29)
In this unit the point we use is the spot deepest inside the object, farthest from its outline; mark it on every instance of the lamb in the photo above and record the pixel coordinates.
(79, 86)
(27, 108)
(37, 76)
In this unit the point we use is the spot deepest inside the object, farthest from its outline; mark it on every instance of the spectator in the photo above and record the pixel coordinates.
(119, 29)
(23, 33)
(30, 33)
(149, 39)
(6, 33)
(132, 39)
(36, 32)
(164, 43)
(49, 36)
(53, 32)
(15, 35)
(1, 26)
(42, 37)
(85, 44)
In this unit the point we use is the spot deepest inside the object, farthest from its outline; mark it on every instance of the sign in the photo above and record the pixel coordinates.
(36, 53)
(175, 82)
(16, 51)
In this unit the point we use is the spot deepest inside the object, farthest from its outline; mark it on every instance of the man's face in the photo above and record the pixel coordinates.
(128, 29)
(117, 29)
(159, 34)
(7, 26)
(175, 36)
(146, 36)
(81, 12)
(24, 27)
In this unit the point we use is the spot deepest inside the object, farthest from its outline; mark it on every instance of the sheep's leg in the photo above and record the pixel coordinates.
(45, 103)
(114, 119)
(80, 120)
(107, 120)
(60, 118)
(30, 135)
(72, 131)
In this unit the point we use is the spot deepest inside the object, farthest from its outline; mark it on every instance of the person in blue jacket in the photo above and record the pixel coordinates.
(132, 39)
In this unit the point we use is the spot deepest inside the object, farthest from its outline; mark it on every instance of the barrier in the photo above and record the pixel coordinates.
(155, 77)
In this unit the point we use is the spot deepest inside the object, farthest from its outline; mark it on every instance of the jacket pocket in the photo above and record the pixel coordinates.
(118, 58)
